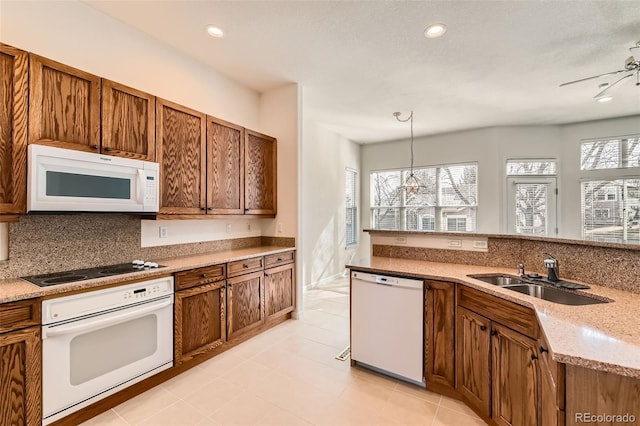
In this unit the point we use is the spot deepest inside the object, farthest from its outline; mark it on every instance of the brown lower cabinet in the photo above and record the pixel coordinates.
(439, 336)
(245, 303)
(20, 364)
(280, 292)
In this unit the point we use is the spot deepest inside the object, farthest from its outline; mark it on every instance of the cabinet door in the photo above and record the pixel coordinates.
(225, 167)
(128, 120)
(20, 377)
(245, 303)
(439, 337)
(199, 320)
(473, 360)
(181, 143)
(64, 106)
(514, 378)
(260, 163)
(280, 293)
(13, 129)
(551, 392)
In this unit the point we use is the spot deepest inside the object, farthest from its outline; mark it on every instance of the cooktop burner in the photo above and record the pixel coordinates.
(91, 273)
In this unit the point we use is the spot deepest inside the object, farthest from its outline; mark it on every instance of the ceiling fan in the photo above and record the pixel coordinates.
(631, 66)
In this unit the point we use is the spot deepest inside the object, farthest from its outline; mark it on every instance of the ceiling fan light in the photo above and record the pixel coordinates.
(435, 30)
(604, 99)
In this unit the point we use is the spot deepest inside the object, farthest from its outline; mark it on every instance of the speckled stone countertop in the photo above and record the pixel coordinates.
(601, 336)
(14, 289)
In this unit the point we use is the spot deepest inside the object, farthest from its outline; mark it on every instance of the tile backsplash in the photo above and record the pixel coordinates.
(606, 266)
(50, 243)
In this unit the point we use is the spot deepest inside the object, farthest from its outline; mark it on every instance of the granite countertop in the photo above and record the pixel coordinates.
(15, 289)
(602, 336)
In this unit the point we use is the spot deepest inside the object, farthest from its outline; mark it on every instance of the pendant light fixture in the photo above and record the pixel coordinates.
(411, 185)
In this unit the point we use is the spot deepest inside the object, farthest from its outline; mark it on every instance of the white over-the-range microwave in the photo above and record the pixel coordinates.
(63, 180)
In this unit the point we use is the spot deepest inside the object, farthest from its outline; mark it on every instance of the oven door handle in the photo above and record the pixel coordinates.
(49, 331)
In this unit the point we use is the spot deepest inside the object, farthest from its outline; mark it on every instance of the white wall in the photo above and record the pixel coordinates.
(80, 36)
(280, 112)
(324, 159)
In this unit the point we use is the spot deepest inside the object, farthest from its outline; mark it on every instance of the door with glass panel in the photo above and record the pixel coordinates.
(531, 205)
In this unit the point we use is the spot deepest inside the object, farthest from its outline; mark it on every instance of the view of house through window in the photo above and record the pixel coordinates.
(351, 207)
(531, 194)
(611, 200)
(446, 201)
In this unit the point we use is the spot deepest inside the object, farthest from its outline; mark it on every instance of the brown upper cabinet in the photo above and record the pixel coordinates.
(225, 167)
(128, 119)
(13, 129)
(64, 106)
(180, 149)
(260, 162)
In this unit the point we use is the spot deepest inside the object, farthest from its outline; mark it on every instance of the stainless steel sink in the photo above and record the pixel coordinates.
(545, 292)
(500, 280)
(553, 294)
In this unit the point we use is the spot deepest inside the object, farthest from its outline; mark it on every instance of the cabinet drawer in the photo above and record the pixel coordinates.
(279, 259)
(16, 315)
(507, 313)
(195, 277)
(245, 266)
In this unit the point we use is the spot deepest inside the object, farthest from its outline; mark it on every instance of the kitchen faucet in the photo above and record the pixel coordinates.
(551, 263)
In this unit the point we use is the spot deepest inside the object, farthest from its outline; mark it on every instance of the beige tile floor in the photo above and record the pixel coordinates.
(289, 376)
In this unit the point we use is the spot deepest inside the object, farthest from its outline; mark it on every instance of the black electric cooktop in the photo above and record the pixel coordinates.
(90, 273)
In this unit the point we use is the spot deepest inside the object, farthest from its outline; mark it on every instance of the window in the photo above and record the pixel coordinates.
(611, 210)
(531, 194)
(537, 167)
(610, 153)
(351, 208)
(447, 201)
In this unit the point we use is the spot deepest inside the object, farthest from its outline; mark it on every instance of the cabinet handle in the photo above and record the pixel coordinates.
(230, 285)
(483, 327)
(279, 259)
(94, 146)
(204, 275)
(202, 208)
(107, 148)
(494, 333)
(244, 265)
(543, 350)
(534, 357)
(209, 208)
(428, 287)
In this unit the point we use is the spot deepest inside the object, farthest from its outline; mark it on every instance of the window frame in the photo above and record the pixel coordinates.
(351, 210)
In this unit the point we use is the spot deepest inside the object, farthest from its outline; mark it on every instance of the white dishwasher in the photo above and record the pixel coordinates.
(387, 316)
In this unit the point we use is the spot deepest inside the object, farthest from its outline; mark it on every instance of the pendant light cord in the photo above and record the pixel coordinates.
(410, 118)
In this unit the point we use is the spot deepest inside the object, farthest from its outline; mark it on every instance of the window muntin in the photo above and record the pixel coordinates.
(447, 192)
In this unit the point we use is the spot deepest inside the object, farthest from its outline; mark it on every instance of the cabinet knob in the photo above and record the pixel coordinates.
(244, 265)
(204, 275)
(279, 259)
(534, 357)
(94, 146)
(494, 333)
(203, 208)
(230, 285)
(107, 148)
(209, 208)
(428, 287)
(543, 349)
(483, 327)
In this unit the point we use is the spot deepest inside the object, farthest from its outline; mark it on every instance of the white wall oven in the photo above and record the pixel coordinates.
(99, 342)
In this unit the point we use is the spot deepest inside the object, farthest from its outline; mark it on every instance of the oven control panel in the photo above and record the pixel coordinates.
(91, 302)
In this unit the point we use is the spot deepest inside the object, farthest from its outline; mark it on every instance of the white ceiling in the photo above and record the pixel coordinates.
(500, 62)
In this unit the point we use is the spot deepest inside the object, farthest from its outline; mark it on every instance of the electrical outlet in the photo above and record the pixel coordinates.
(164, 232)
(228, 228)
(401, 240)
(455, 243)
(280, 227)
(480, 244)
(248, 227)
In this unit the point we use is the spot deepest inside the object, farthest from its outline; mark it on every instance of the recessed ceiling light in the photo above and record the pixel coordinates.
(215, 31)
(435, 30)
(603, 99)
